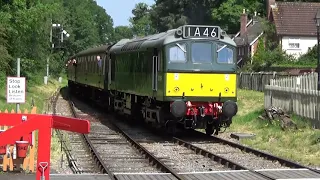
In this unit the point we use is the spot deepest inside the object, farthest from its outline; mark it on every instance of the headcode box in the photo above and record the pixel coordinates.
(16, 89)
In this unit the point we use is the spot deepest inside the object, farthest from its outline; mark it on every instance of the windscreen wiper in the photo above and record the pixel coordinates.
(181, 47)
(221, 48)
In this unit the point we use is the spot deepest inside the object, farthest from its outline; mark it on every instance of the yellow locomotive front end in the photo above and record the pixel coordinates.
(200, 78)
(201, 85)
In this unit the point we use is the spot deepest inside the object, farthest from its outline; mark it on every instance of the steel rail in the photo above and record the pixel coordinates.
(148, 155)
(221, 160)
(71, 161)
(282, 161)
(98, 160)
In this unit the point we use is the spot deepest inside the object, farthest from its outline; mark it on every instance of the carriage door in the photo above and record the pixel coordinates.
(155, 60)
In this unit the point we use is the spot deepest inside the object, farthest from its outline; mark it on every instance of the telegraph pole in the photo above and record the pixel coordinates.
(51, 44)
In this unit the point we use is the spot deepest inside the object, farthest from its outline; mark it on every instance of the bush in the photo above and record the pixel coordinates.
(310, 58)
(264, 58)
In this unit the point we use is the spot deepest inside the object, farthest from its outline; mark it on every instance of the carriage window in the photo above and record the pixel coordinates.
(224, 54)
(103, 64)
(178, 53)
(201, 52)
(113, 67)
(92, 64)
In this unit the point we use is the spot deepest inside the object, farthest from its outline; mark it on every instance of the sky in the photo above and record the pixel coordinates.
(120, 10)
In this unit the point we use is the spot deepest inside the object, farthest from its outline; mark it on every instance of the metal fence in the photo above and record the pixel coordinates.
(296, 95)
(256, 81)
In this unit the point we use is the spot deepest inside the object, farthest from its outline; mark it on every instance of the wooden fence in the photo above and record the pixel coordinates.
(296, 95)
(256, 81)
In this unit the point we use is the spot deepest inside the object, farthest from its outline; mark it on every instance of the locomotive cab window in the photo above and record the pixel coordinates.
(201, 52)
(225, 55)
(178, 53)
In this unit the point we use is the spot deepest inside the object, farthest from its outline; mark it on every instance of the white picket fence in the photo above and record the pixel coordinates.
(296, 95)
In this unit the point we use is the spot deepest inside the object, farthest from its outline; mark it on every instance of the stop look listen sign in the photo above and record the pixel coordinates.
(16, 89)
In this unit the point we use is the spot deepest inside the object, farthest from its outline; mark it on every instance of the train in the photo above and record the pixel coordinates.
(184, 77)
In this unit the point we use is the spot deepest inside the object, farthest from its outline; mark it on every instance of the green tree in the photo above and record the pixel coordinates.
(4, 56)
(122, 32)
(141, 23)
(27, 31)
(227, 15)
(168, 14)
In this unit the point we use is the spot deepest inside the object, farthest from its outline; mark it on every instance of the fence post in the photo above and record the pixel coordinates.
(251, 82)
(274, 75)
(240, 80)
(260, 86)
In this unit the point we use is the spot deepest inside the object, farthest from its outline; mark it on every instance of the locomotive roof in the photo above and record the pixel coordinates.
(153, 41)
(142, 43)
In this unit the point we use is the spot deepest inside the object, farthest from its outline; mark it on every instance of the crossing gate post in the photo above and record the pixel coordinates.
(26, 123)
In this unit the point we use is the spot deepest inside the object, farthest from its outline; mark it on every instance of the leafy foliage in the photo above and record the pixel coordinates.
(27, 33)
(264, 57)
(231, 10)
(168, 14)
(122, 32)
(310, 58)
(141, 23)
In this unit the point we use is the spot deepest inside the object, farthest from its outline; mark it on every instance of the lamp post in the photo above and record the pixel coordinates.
(318, 47)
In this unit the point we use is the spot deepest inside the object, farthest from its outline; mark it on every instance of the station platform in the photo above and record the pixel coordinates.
(279, 174)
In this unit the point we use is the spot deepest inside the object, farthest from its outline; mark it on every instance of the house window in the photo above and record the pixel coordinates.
(294, 43)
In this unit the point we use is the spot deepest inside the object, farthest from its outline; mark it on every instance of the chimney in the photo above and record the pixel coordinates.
(269, 3)
(254, 18)
(243, 23)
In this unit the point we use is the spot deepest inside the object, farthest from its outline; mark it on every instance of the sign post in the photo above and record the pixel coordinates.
(18, 75)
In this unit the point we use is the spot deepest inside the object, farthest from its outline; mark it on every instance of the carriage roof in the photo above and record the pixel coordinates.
(94, 50)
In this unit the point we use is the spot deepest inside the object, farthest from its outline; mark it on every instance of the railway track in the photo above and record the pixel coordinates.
(77, 153)
(168, 155)
(114, 142)
(116, 152)
(73, 165)
(253, 152)
(184, 157)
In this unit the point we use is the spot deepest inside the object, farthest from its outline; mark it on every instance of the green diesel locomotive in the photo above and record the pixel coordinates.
(183, 76)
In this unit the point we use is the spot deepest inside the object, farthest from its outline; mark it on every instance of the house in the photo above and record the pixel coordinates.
(247, 38)
(295, 24)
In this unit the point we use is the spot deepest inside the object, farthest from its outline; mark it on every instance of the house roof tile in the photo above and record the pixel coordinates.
(295, 18)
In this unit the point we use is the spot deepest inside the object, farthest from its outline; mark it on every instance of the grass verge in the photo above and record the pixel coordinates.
(301, 145)
(37, 95)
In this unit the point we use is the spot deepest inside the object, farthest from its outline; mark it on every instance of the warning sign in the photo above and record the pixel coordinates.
(16, 89)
